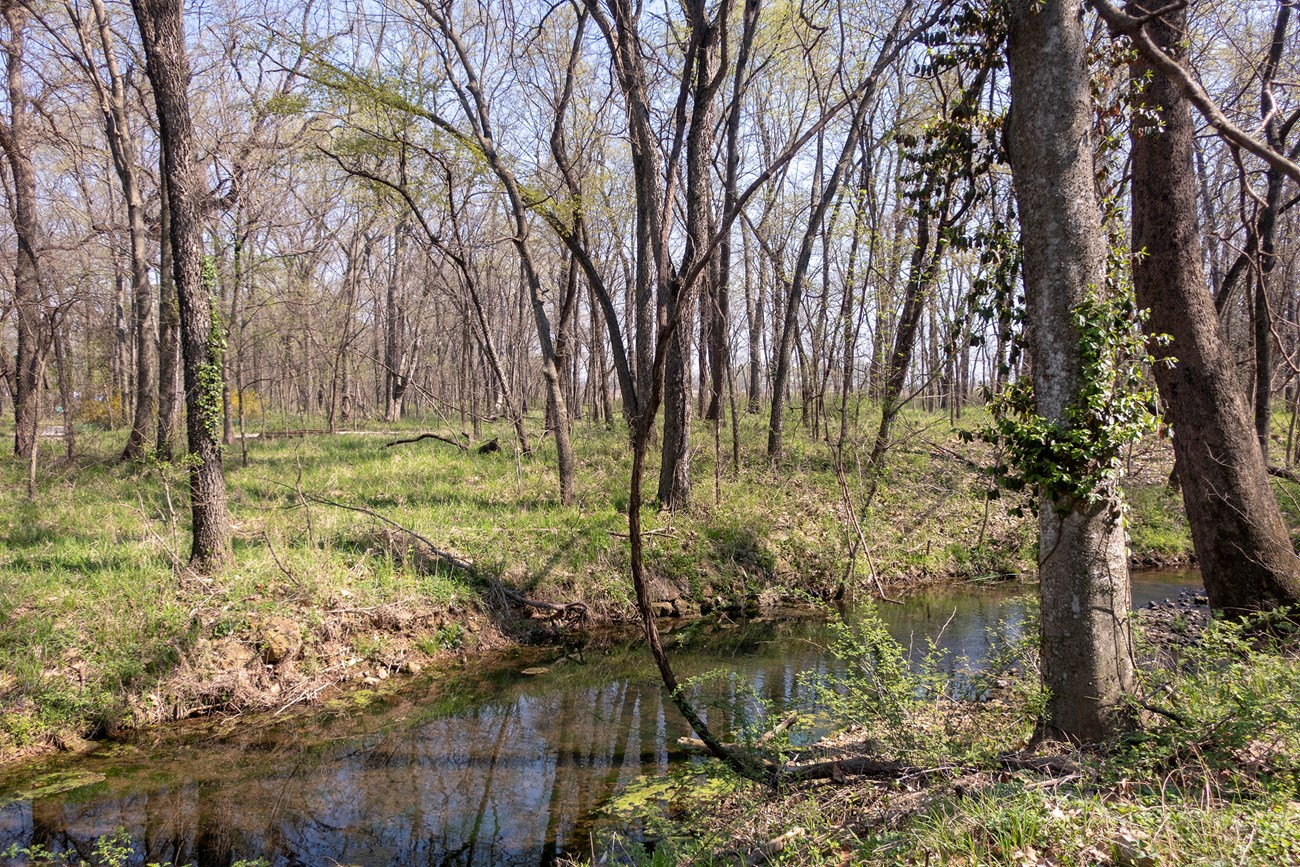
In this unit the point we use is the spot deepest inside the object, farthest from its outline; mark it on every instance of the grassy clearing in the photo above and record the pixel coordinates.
(1210, 778)
(100, 628)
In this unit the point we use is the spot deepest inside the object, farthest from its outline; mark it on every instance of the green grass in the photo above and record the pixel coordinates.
(99, 628)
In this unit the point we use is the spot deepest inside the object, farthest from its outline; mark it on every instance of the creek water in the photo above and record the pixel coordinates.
(512, 762)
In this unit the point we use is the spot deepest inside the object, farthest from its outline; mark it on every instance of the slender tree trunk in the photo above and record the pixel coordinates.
(754, 306)
(478, 111)
(162, 28)
(921, 276)
(1246, 558)
(63, 369)
(705, 78)
(234, 331)
(1267, 231)
(776, 423)
(674, 490)
(117, 131)
(1086, 648)
(16, 142)
(169, 333)
(393, 386)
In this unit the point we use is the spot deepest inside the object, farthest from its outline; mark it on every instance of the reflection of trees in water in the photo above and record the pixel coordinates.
(514, 780)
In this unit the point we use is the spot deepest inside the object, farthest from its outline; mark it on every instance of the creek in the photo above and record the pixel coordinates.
(512, 761)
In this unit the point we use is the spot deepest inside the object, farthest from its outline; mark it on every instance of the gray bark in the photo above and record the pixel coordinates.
(1087, 654)
(16, 142)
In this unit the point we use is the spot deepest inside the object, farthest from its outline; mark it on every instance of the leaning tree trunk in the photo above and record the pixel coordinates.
(1087, 655)
(789, 325)
(478, 111)
(202, 341)
(1246, 558)
(922, 273)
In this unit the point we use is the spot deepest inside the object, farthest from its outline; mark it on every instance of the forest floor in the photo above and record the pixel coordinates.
(102, 628)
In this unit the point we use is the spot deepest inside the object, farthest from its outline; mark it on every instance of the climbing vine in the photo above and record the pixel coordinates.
(212, 369)
(1082, 458)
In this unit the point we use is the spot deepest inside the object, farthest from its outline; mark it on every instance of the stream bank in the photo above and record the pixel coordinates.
(515, 758)
(101, 632)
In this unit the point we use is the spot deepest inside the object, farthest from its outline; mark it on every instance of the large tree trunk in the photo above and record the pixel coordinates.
(1087, 654)
(1246, 559)
(202, 343)
(16, 142)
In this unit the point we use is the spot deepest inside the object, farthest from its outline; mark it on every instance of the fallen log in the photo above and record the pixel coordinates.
(1059, 768)
(1284, 473)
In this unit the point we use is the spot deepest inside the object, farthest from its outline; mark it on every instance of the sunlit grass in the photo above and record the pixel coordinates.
(96, 614)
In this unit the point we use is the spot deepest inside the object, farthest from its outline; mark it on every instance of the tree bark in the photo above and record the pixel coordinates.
(923, 270)
(202, 344)
(63, 370)
(117, 131)
(169, 331)
(478, 112)
(1086, 645)
(1266, 230)
(16, 142)
(651, 268)
(1246, 558)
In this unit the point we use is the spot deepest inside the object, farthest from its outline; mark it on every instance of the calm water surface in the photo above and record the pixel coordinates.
(486, 766)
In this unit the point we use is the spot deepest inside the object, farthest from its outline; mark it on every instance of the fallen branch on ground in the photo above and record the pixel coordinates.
(570, 612)
(446, 556)
(464, 447)
(1284, 473)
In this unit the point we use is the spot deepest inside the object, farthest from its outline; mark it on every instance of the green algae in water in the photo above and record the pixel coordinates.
(654, 797)
(56, 783)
